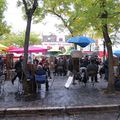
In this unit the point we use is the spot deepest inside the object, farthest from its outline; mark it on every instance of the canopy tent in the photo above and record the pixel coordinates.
(31, 49)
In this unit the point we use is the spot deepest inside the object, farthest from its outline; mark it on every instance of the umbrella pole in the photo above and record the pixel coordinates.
(75, 46)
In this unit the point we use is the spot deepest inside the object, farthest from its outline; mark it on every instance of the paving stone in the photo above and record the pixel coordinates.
(59, 96)
(82, 116)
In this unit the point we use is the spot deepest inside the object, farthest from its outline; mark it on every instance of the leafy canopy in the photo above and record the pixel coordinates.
(18, 39)
(3, 25)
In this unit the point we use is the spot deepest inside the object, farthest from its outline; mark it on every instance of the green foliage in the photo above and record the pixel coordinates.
(64, 11)
(79, 16)
(94, 15)
(18, 39)
(38, 15)
(34, 39)
(2, 9)
(4, 29)
(3, 26)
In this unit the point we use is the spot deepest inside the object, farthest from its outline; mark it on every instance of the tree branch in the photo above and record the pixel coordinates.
(114, 14)
(25, 4)
(35, 4)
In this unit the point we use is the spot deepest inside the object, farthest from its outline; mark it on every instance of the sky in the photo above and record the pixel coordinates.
(13, 16)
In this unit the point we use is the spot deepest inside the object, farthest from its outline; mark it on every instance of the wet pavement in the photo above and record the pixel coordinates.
(82, 116)
(58, 95)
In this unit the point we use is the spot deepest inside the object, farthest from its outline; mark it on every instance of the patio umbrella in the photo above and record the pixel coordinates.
(53, 52)
(117, 53)
(30, 50)
(81, 40)
(3, 47)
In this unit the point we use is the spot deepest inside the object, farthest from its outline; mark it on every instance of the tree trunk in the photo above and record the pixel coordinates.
(29, 14)
(110, 86)
(104, 51)
(26, 45)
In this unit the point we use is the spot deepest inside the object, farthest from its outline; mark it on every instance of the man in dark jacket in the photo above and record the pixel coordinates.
(92, 70)
(18, 69)
(85, 61)
(1, 65)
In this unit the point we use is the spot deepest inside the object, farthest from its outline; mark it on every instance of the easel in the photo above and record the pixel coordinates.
(76, 55)
(9, 66)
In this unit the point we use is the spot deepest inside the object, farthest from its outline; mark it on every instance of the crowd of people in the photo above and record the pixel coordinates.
(88, 67)
(62, 65)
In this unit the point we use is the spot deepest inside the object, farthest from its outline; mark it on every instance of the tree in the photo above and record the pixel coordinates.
(102, 16)
(105, 16)
(65, 12)
(70, 13)
(29, 7)
(3, 26)
(14, 39)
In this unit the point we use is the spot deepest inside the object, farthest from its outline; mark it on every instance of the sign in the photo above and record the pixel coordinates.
(76, 54)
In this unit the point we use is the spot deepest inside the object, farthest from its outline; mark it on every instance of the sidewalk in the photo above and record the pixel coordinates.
(59, 96)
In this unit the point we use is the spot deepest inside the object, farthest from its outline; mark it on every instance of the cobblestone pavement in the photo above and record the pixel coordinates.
(58, 95)
(82, 116)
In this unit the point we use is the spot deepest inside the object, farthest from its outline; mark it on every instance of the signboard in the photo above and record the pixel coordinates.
(76, 54)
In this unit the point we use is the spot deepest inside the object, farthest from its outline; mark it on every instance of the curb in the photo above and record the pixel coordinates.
(57, 110)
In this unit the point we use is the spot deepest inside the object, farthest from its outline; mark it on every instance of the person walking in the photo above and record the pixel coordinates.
(18, 70)
(1, 65)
